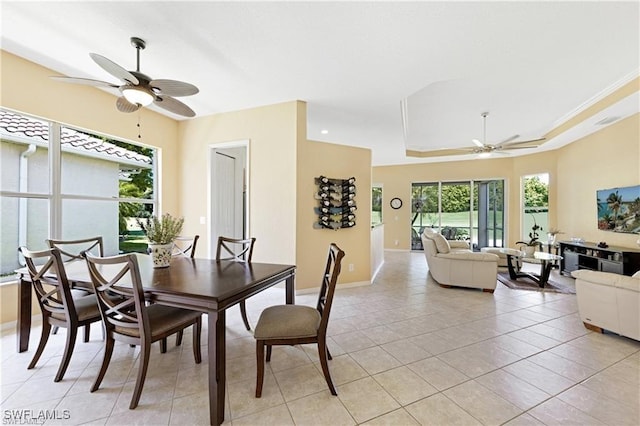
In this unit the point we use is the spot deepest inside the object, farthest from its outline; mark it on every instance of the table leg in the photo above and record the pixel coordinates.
(217, 366)
(290, 289)
(545, 271)
(23, 326)
(512, 272)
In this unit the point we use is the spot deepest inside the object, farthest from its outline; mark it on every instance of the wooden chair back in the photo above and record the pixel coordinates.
(185, 246)
(328, 287)
(235, 249)
(49, 281)
(72, 249)
(120, 275)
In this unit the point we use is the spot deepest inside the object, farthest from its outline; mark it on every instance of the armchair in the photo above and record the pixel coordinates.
(609, 301)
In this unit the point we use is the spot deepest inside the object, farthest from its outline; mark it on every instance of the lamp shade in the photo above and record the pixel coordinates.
(137, 95)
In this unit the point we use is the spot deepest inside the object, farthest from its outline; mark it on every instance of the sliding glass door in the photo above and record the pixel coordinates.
(466, 210)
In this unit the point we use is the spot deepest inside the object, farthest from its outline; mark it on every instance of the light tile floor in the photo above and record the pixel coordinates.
(406, 352)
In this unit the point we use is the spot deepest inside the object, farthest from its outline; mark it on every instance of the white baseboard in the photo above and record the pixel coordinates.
(11, 325)
(315, 290)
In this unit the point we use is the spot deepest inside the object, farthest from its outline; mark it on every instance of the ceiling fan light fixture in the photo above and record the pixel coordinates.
(138, 95)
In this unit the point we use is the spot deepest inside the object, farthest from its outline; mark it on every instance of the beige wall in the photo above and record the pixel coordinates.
(607, 158)
(272, 136)
(339, 162)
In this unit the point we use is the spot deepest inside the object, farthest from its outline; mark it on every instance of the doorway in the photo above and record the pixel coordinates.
(229, 205)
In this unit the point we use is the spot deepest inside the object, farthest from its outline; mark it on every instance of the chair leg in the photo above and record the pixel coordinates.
(329, 354)
(243, 312)
(44, 336)
(87, 332)
(55, 329)
(72, 333)
(179, 338)
(142, 374)
(322, 352)
(260, 364)
(268, 353)
(109, 343)
(197, 331)
(163, 345)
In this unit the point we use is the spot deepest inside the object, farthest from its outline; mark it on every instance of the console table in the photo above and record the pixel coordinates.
(619, 260)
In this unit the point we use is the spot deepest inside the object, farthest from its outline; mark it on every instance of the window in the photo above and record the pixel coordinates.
(65, 183)
(535, 210)
(376, 205)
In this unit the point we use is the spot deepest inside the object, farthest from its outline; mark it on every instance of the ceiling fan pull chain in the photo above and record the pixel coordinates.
(139, 135)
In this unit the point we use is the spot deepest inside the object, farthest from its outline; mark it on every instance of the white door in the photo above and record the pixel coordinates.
(228, 192)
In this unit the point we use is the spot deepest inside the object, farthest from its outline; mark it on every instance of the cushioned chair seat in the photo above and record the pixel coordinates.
(287, 321)
(162, 319)
(86, 307)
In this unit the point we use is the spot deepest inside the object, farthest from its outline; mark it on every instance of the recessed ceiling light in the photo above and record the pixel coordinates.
(324, 131)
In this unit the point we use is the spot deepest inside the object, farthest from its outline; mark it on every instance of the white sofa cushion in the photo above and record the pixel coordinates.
(636, 275)
(441, 243)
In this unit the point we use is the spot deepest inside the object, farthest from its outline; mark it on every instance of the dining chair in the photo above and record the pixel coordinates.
(185, 246)
(71, 250)
(299, 324)
(240, 250)
(59, 306)
(131, 320)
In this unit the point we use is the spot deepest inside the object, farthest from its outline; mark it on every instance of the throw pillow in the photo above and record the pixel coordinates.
(441, 243)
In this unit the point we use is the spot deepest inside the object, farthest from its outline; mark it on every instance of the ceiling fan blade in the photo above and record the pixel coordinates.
(85, 81)
(511, 147)
(174, 106)
(114, 69)
(124, 105)
(478, 143)
(512, 138)
(530, 141)
(173, 87)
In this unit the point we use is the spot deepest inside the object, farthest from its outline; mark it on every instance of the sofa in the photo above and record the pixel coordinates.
(453, 264)
(608, 301)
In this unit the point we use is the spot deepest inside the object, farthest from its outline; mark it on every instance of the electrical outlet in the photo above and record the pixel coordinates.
(351, 267)
(396, 242)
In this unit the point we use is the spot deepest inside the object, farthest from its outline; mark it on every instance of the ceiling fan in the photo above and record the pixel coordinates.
(483, 148)
(139, 89)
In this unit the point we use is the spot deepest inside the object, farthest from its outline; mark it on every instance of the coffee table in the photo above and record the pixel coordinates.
(546, 261)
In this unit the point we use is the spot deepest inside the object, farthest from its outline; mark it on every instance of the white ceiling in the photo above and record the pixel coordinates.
(532, 65)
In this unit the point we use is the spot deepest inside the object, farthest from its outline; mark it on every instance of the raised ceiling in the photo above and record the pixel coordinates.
(359, 65)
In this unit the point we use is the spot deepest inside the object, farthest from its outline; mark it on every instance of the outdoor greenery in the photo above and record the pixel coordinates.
(139, 184)
(536, 192)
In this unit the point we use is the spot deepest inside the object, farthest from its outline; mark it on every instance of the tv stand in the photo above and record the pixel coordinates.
(619, 260)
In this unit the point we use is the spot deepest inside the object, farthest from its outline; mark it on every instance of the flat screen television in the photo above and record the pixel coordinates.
(619, 209)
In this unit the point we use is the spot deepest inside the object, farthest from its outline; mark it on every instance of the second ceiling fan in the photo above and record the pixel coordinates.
(139, 89)
(506, 145)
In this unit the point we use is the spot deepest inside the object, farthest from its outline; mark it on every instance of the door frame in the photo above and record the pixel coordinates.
(211, 187)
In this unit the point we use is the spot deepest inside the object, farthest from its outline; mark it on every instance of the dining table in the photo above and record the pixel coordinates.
(204, 285)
